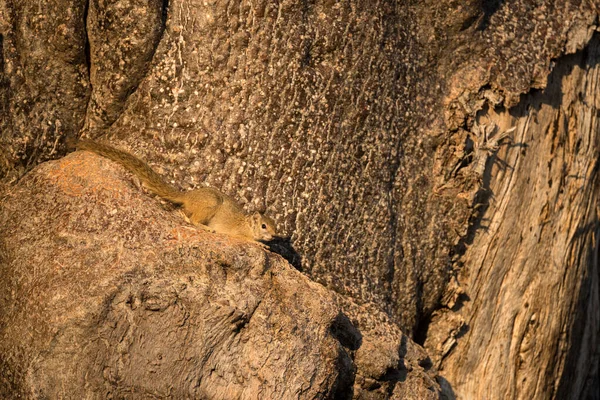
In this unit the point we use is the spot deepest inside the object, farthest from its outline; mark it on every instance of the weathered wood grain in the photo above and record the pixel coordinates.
(531, 315)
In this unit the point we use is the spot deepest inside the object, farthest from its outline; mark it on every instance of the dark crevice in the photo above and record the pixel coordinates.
(306, 58)
(345, 332)
(395, 248)
(87, 49)
(1, 55)
(307, 44)
(87, 55)
(350, 339)
(421, 329)
(4, 82)
(343, 388)
(165, 14)
(4, 107)
(489, 8)
(399, 372)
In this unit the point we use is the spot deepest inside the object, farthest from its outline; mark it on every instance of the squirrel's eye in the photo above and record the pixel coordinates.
(264, 226)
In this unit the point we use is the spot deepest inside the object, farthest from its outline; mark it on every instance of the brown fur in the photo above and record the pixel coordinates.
(205, 207)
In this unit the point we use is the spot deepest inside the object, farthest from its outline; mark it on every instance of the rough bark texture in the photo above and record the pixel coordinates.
(360, 127)
(108, 295)
(522, 320)
(531, 272)
(44, 85)
(291, 109)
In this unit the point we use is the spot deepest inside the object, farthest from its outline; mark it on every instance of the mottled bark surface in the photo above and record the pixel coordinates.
(109, 295)
(353, 124)
(44, 85)
(299, 109)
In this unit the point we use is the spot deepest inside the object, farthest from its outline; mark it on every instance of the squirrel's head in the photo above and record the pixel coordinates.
(263, 227)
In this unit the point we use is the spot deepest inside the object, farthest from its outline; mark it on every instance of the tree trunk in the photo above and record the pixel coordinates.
(530, 266)
(373, 133)
(107, 295)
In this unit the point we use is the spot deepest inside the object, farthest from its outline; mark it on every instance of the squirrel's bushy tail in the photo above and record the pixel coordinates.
(152, 180)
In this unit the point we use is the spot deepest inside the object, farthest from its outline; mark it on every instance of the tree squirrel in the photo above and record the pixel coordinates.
(205, 207)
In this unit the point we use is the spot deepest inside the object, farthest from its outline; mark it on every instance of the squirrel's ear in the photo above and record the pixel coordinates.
(256, 219)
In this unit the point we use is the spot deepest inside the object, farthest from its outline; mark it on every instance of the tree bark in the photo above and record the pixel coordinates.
(366, 129)
(108, 295)
(530, 265)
